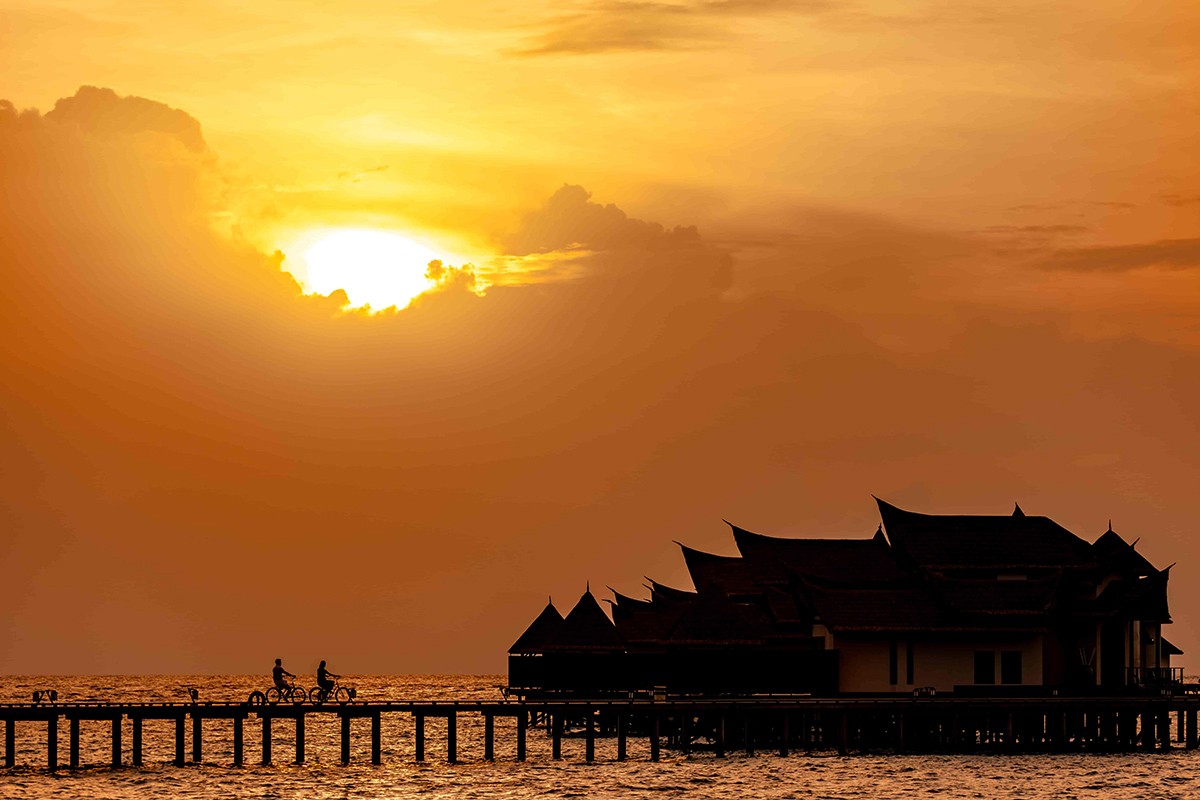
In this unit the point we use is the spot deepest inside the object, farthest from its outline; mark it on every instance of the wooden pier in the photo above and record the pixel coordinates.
(719, 726)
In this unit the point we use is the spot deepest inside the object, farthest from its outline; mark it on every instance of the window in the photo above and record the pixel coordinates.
(1010, 666)
(893, 663)
(985, 666)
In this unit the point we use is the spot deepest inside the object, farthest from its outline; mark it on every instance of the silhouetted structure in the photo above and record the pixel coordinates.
(992, 605)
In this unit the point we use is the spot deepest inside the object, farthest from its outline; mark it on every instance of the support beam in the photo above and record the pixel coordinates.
(522, 724)
(52, 743)
(179, 722)
(116, 743)
(197, 738)
(239, 742)
(419, 739)
(345, 739)
(266, 740)
(452, 738)
(376, 739)
(489, 737)
(137, 741)
(300, 738)
(74, 749)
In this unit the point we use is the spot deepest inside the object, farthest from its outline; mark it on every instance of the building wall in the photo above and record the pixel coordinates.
(865, 663)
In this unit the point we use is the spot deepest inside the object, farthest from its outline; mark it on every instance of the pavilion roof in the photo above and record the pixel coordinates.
(544, 631)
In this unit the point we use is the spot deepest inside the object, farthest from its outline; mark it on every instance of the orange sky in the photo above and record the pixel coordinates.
(743, 259)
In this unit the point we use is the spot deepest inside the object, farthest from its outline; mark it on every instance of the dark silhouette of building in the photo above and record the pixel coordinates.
(973, 604)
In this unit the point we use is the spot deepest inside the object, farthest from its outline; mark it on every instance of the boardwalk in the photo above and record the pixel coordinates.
(783, 725)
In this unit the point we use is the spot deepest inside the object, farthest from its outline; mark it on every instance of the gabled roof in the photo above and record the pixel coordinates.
(587, 627)
(859, 561)
(974, 541)
(541, 633)
(729, 575)
(1114, 552)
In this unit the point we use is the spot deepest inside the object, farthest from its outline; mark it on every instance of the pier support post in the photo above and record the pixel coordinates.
(52, 743)
(556, 732)
(747, 735)
(1164, 730)
(784, 735)
(489, 737)
(622, 733)
(74, 757)
(1190, 732)
(719, 744)
(452, 738)
(10, 743)
(376, 739)
(590, 737)
(239, 742)
(1179, 726)
(266, 740)
(1147, 729)
(654, 730)
(300, 737)
(419, 738)
(345, 739)
(116, 743)
(685, 734)
(899, 744)
(197, 738)
(137, 741)
(842, 724)
(179, 741)
(522, 724)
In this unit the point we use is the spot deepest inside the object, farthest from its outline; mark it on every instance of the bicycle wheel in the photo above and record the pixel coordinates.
(256, 699)
(316, 696)
(342, 695)
(274, 695)
(298, 695)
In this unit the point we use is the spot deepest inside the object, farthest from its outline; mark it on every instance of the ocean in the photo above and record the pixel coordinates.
(1174, 774)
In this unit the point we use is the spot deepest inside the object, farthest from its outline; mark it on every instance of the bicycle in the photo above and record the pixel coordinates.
(337, 693)
(290, 693)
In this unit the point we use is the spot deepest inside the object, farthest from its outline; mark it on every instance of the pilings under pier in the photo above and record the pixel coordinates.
(685, 725)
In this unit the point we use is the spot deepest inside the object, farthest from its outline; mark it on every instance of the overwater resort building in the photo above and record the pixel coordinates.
(986, 605)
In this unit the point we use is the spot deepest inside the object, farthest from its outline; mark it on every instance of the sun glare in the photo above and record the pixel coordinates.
(375, 268)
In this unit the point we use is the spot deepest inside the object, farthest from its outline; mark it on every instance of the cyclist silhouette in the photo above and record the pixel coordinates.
(325, 678)
(277, 673)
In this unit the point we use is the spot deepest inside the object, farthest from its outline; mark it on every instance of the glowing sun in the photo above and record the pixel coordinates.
(375, 268)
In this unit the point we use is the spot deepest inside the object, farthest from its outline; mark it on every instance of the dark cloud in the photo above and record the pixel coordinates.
(1166, 253)
(622, 25)
(1179, 200)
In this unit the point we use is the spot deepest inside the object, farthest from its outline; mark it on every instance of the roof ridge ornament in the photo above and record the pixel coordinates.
(1017, 512)
(1110, 530)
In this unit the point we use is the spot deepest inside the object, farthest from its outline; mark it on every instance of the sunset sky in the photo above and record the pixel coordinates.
(753, 260)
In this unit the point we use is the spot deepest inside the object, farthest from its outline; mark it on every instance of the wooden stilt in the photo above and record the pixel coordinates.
(655, 723)
(1190, 733)
(74, 747)
(239, 742)
(590, 737)
(116, 743)
(452, 738)
(556, 732)
(899, 744)
(376, 739)
(345, 738)
(522, 724)
(300, 738)
(1147, 729)
(266, 740)
(719, 744)
(747, 735)
(10, 743)
(419, 724)
(197, 738)
(137, 741)
(1164, 730)
(783, 735)
(622, 732)
(179, 723)
(489, 737)
(685, 734)
(52, 743)
(842, 725)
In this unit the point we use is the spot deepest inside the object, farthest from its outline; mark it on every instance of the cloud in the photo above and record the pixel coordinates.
(628, 25)
(1179, 200)
(1165, 253)
(103, 112)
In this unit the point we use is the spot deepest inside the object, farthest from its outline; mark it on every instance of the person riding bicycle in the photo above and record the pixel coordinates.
(277, 673)
(325, 679)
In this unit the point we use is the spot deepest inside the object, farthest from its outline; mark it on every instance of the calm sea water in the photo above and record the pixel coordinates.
(1137, 777)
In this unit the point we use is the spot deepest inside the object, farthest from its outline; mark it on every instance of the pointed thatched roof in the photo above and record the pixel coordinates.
(587, 627)
(543, 632)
